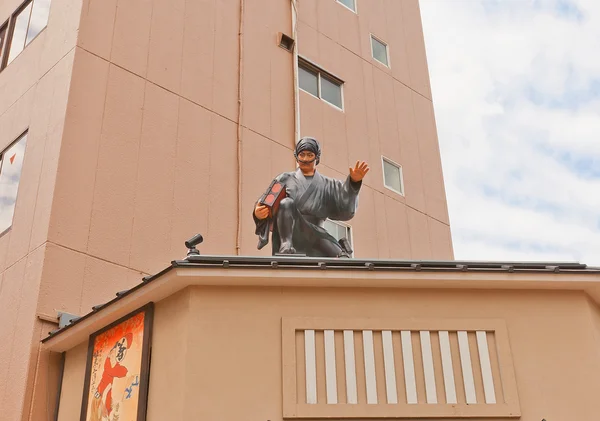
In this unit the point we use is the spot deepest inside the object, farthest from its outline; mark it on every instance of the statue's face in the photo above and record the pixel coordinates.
(307, 161)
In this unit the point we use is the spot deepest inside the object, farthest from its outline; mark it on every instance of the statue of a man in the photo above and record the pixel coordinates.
(310, 199)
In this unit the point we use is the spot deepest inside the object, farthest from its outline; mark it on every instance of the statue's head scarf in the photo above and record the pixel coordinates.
(308, 144)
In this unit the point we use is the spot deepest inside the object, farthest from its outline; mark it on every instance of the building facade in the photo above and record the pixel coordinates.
(127, 126)
(238, 337)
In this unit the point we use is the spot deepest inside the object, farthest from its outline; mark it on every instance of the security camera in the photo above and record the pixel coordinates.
(192, 243)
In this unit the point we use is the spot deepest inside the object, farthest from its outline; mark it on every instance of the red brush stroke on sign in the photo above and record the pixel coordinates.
(12, 158)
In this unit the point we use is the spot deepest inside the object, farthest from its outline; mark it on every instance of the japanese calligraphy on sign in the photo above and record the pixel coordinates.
(116, 382)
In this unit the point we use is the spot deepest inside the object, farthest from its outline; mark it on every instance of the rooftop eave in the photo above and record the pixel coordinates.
(328, 273)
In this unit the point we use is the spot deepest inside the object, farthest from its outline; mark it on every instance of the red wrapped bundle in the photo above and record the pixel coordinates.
(273, 196)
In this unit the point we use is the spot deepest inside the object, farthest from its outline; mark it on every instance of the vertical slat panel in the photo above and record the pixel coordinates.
(300, 366)
(467, 370)
(379, 367)
(456, 368)
(371, 381)
(447, 367)
(486, 367)
(359, 357)
(430, 389)
(399, 365)
(390, 367)
(330, 370)
(351, 395)
(493, 351)
(409, 367)
(338, 338)
(438, 371)
(311, 366)
(320, 363)
(476, 367)
(418, 362)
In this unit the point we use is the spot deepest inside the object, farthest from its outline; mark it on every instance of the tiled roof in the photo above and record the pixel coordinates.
(318, 263)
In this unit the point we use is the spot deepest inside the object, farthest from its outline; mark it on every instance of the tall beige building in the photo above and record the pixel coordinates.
(127, 126)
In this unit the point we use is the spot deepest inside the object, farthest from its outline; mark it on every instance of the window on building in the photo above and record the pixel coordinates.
(11, 163)
(350, 4)
(309, 80)
(339, 230)
(392, 176)
(3, 31)
(321, 84)
(25, 25)
(380, 51)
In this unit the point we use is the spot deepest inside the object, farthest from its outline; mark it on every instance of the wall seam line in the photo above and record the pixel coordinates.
(366, 61)
(38, 80)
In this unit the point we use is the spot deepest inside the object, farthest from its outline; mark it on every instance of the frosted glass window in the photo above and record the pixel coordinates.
(350, 4)
(338, 230)
(39, 19)
(26, 25)
(380, 52)
(10, 175)
(19, 33)
(309, 81)
(392, 176)
(331, 92)
(320, 83)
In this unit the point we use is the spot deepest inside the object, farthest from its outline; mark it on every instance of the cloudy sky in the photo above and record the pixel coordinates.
(516, 91)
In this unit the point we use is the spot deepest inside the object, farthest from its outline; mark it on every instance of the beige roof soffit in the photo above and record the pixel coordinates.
(181, 277)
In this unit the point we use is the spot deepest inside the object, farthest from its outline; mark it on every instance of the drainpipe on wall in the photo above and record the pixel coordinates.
(239, 129)
(296, 85)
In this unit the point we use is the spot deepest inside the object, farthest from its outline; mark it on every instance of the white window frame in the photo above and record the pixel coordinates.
(309, 65)
(389, 161)
(355, 6)
(349, 227)
(10, 33)
(387, 51)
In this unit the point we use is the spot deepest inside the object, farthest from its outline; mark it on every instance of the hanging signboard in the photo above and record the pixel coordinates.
(117, 370)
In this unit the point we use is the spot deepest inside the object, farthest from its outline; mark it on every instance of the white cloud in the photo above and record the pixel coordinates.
(516, 91)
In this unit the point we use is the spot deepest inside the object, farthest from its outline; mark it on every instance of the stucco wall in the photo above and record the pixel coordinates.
(132, 111)
(387, 111)
(72, 383)
(217, 351)
(34, 90)
(149, 148)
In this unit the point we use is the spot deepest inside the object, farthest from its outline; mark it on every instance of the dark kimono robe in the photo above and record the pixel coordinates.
(315, 201)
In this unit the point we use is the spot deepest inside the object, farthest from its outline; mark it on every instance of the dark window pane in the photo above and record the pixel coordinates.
(379, 51)
(308, 81)
(350, 4)
(10, 175)
(39, 18)
(19, 33)
(331, 92)
(392, 176)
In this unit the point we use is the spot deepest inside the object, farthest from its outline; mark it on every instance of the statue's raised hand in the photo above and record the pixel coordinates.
(359, 171)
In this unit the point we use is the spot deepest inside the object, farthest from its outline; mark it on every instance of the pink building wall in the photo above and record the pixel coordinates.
(132, 111)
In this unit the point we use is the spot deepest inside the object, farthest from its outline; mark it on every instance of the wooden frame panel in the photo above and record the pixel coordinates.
(294, 407)
(144, 368)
